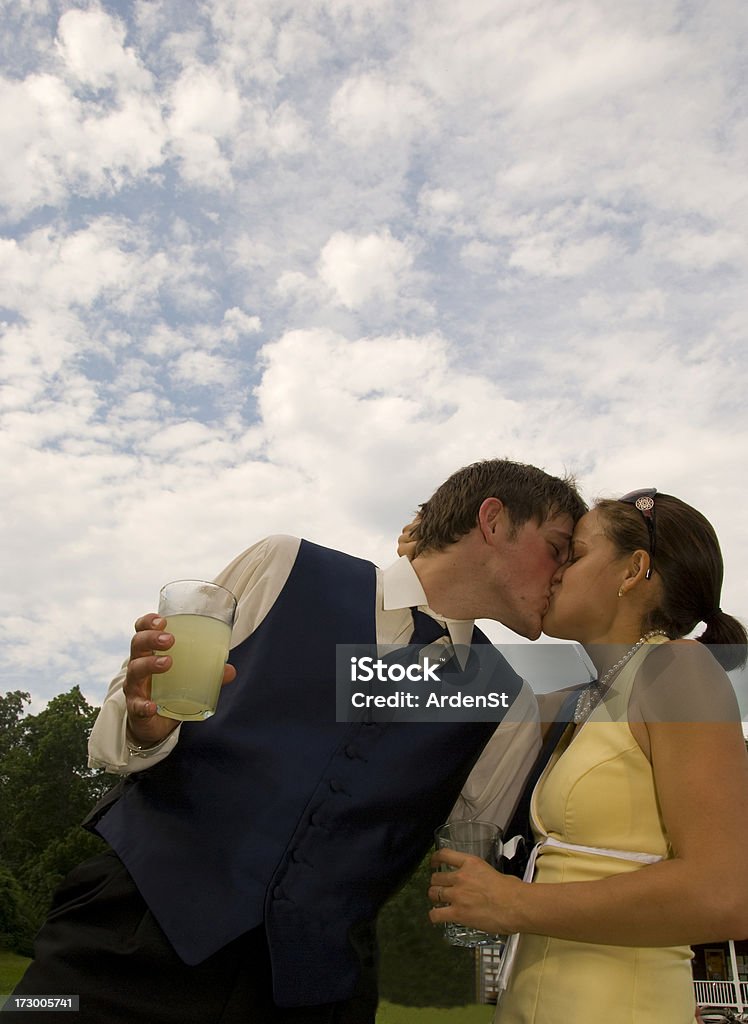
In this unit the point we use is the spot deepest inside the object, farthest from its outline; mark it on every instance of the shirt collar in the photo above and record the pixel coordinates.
(401, 588)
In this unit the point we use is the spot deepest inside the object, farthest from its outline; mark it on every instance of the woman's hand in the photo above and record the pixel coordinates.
(406, 542)
(475, 893)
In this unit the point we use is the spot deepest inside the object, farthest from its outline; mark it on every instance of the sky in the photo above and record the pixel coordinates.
(281, 266)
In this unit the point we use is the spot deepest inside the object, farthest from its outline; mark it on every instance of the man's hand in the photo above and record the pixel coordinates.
(148, 658)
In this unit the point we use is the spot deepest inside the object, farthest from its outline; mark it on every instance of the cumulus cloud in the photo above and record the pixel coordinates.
(205, 110)
(370, 109)
(200, 368)
(71, 269)
(557, 257)
(88, 122)
(91, 44)
(237, 324)
(697, 249)
(266, 257)
(361, 269)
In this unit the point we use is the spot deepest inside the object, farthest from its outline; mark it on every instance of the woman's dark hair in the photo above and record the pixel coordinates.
(526, 491)
(688, 561)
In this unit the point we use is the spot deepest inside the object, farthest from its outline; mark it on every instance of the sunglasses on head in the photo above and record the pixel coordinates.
(643, 500)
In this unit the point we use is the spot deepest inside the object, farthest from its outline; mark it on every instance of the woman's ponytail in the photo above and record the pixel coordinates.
(727, 639)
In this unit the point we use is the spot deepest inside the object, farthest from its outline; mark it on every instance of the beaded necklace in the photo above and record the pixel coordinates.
(596, 689)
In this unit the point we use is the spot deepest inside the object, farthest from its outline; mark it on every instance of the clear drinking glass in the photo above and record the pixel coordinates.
(482, 839)
(200, 616)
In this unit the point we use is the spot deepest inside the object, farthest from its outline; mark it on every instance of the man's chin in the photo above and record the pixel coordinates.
(530, 630)
(526, 627)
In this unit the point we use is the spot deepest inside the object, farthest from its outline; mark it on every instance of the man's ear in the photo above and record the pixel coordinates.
(490, 517)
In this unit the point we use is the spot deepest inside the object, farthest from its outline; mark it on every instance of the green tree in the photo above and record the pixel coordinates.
(15, 924)
(46, 789)
(11, 715)
(418, 968)
(43, 874)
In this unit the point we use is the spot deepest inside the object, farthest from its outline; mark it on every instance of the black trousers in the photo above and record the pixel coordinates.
(101, 942)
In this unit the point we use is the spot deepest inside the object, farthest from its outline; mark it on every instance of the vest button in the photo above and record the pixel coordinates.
(335, 786)
(278, 893)
(351, 751)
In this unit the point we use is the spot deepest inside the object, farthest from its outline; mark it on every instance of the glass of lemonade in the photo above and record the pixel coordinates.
(482, 839)
(200, 616)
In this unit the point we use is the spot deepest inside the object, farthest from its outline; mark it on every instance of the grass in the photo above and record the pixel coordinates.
(389, 1013)
(12, 967)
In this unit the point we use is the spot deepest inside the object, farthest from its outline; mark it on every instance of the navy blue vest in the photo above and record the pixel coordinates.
(271, 812)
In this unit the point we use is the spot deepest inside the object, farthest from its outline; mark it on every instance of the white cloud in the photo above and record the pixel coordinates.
(478, 256)
(275, 256)
(583, 68)
(300, 47)
(370, 109)
(206, 110)
(696, 249)
(182, 439)
(441, 201)
(362, 269)
(294, 285)
(54, 142)
(69, 269)
(129, 141)
(237, 323)
(359, 12)
(200, 368)
(204, 104)
(647, 304)
(91, 44)
(139, 405)
(554, 256)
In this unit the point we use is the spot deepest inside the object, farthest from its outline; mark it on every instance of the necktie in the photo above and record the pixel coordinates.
(425, 629)
(428, 631)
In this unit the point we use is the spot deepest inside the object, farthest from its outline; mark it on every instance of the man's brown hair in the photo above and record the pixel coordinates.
(526, 492)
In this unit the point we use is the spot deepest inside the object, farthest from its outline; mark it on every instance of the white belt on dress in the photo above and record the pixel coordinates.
(510, 951)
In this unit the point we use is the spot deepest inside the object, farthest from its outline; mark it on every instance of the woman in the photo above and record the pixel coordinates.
(650, 779)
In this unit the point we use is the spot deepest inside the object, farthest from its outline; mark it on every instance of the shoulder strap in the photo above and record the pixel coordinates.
(520, 823)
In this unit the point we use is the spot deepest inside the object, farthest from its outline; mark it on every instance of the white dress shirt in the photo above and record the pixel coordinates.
(256, 578)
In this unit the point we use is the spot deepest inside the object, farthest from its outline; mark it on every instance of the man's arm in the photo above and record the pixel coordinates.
(494, 786)
(128, 735)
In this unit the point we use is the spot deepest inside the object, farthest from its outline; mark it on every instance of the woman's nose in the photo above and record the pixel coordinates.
(560, 570)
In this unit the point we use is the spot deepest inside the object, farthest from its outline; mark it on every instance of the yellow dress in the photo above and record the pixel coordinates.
(598, 791)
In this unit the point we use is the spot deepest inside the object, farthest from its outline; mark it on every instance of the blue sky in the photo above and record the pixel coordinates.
(283, 266)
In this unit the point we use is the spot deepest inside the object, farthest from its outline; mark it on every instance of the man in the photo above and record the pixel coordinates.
(250, 859)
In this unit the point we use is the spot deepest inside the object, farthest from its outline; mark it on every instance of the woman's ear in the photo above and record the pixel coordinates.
(636, 570)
